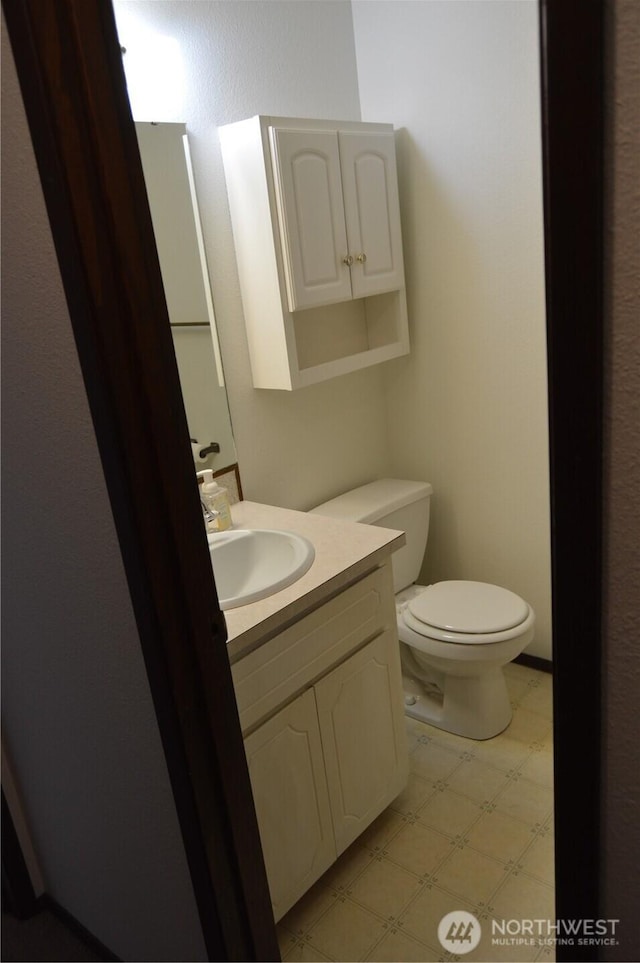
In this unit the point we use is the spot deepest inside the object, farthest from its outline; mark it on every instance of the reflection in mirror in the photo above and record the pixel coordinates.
(164, 150)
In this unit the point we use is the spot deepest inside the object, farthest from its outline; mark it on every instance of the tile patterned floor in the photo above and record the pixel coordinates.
(472, 831)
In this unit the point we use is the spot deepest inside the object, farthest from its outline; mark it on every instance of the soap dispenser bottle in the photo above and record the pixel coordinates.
(215, 501)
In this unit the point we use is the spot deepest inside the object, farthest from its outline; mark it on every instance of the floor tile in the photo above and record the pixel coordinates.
(376, 836)
(514, 670)
(450, 813)
(470, 875)
(539, 768)
(525, 800)
(422, 916)
(501, 836)
(433, 762)
(529, 727)
(302, 952)
(546, 744)
(491, 950)
(417, 791)
(286, 940)
(346, 932)
(521, 897)
(385, 889)
(539, 859)
(546, 954)
(503, 752)
(517, 690)
(477, 780)
(397, 945)
(308, 910)
(449, 740)
(342, 874)
(539, 699)
(414, 730)
(418, 849)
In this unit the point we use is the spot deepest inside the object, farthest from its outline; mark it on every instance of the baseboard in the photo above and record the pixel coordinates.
(78, 930)
(535, 662)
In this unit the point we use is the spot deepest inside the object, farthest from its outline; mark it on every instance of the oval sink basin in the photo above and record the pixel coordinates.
(250, 564)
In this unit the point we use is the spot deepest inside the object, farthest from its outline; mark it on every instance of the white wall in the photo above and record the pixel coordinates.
(77, 715)
(278, 57)
(469, 404)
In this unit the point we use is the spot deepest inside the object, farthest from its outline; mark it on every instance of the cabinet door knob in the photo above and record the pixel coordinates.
(348, 260)
(361, 258)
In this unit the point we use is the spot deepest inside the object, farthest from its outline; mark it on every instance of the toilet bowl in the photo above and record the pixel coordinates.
(454, 639)
(455, 636)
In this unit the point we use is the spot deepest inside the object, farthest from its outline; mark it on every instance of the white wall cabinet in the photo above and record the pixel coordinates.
(338, 212)
(316, 224)
(325, 763)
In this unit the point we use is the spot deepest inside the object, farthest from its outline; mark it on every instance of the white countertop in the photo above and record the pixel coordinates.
(345, 551)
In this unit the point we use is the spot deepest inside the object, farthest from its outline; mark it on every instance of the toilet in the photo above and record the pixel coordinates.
(455, 636)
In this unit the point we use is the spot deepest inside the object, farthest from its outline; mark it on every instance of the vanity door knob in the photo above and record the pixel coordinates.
(348, 260)
(361, 258)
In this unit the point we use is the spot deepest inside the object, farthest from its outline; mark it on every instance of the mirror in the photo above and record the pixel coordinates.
(166, 162)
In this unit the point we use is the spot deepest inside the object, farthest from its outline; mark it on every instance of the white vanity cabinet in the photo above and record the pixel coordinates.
(316, 224)
(286, 766)
(322, 710)
(363, 737)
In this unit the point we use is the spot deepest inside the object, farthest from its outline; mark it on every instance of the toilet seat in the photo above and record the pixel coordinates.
(466, 612)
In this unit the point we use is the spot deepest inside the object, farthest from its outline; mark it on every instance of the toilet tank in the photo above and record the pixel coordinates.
(390, 503)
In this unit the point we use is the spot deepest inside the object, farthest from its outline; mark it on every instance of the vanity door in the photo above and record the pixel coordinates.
(363, 736)
(372, 211)
(290, 795)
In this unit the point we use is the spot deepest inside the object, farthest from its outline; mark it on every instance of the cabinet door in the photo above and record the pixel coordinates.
(361, 713)
(290, 795)
(311, 216)
(372, 212)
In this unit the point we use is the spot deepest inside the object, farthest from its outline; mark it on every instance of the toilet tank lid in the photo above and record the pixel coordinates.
(369, 503)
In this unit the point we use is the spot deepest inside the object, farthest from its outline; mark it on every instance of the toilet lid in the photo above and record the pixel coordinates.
(469, 607)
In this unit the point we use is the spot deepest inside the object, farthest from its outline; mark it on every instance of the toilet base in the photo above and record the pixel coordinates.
(475, 707)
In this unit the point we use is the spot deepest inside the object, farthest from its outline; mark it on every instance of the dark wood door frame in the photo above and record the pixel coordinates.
(572, 48)
(70, 71)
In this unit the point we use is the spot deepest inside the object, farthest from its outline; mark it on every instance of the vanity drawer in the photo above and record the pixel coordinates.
(273, 673)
